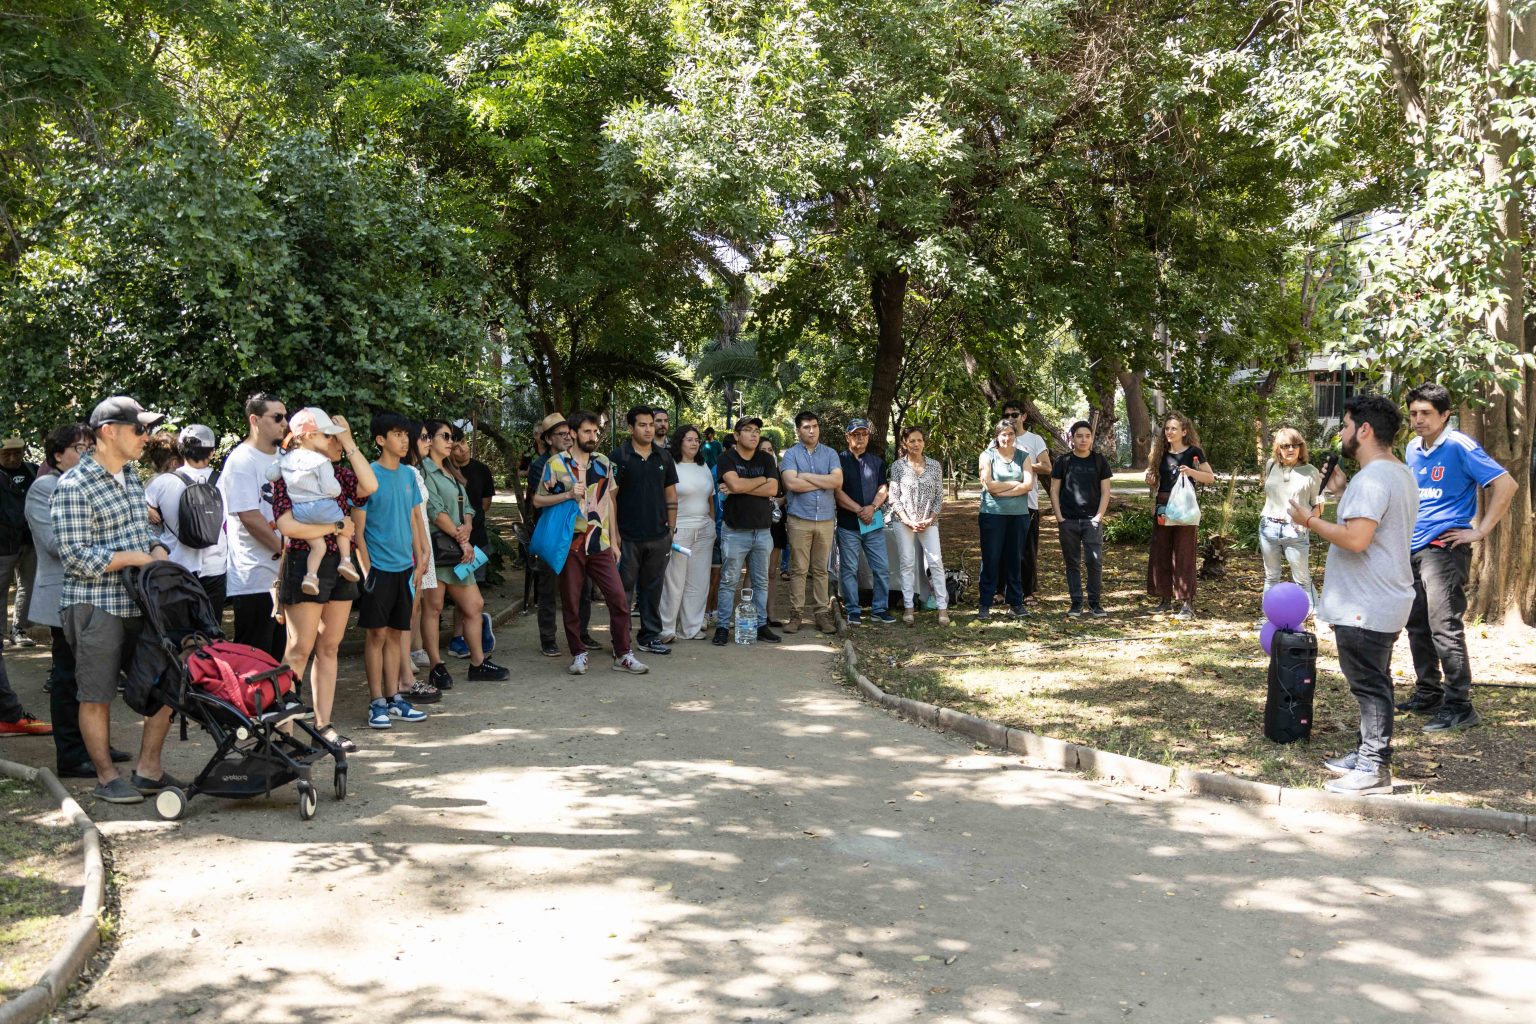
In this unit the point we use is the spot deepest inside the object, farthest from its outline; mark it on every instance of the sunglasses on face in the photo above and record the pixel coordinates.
(277, 417)
(139, 429)
(444, 436)
(1289, 445)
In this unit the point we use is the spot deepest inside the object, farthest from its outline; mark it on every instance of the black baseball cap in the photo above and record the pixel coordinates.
(748, 421)
(122, 409)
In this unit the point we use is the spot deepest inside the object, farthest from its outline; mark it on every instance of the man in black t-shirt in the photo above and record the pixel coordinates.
(1080, 491)
(750, 478)
(646, 478)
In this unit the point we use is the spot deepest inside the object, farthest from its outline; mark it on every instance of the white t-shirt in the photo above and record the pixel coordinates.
(1373, 589)
(1033, 446)
(164, 493)
(695, 487)
(245, 487)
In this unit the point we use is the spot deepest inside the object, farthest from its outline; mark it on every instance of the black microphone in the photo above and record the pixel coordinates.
(1330, 464)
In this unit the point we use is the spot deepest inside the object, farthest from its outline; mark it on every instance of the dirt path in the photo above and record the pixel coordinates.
(736, 838)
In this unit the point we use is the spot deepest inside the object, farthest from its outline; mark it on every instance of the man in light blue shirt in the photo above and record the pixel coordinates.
(812, 474)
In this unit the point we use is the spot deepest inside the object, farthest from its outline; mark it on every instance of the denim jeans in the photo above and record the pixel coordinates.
(1281, 543)
(849, 543)
(1365, 658)
(1435, 632)
(1082, 541)
(737, 546)
(1002, 544)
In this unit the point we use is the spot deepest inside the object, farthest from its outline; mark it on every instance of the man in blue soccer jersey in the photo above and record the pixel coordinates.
(1450, 469)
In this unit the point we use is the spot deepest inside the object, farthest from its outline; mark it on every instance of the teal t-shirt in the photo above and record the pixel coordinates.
(387, 530)
(1005, 471)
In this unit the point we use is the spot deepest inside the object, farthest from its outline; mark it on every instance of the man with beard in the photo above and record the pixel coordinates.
(254, 546)
(1368, 583)
(585, 477)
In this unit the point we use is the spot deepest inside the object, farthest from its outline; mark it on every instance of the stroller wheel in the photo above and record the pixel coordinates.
(308, 801)
(170, 803)
(341, 782)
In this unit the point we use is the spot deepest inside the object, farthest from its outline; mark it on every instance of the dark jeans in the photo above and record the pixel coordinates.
(547, 594)
(1435, 633)
(255, 626)
(1082, 541)
(10, 704)
(644, 570)
(214, 587)
(1365, 657)
(1029, 561)
(64, 705)
(1002, 539)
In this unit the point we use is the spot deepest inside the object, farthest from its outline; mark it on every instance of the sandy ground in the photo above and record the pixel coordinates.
(736, 838)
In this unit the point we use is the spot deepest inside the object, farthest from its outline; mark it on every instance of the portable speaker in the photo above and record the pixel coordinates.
(1292, 681)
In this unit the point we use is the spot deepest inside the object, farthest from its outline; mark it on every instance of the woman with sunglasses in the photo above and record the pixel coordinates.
(452, 518)
(1288, 477)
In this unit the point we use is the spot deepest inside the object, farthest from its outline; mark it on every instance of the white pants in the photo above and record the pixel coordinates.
(907, 541)
(685, 589)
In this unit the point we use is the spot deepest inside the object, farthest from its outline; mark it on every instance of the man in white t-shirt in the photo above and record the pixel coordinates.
(1034, 448)
(164, 495)
(1368, 583)
(254, 546)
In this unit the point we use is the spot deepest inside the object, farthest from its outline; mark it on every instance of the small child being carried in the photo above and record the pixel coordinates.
(305, 469)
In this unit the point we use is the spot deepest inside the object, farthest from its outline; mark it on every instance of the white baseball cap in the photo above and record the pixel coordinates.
(310, 420)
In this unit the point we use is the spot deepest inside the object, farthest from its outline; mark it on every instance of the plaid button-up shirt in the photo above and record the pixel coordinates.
(95, 515)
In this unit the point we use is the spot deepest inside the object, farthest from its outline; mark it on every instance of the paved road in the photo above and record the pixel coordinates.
(737, 838)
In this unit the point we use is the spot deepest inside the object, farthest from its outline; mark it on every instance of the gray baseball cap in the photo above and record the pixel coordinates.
(199, 436)
(122, 409)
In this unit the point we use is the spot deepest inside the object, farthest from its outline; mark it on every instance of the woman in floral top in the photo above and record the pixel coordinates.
(917, 494)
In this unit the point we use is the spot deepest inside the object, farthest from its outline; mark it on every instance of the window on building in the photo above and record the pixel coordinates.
(1331, 390)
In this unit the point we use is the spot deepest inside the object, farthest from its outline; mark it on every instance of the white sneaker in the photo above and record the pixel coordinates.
(419, 659)
(666, 638)
(629, 663)
(578, 665)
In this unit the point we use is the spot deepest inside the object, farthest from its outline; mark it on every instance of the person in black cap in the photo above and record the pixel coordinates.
(750, 478)
(101, 526)
(861, 525)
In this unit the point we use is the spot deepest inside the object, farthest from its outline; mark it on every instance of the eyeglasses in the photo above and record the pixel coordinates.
(277, 417)
(82, 448)
(445, 436)
(1289, 445)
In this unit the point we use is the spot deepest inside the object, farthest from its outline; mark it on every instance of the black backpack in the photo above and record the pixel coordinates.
(201, 513)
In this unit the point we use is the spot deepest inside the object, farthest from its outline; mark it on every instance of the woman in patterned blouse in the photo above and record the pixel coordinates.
(917, 494)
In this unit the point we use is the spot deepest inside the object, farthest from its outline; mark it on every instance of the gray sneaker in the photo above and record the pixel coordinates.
(1363, 782)
(118, 791)
(1447, 720)
(1343, 765)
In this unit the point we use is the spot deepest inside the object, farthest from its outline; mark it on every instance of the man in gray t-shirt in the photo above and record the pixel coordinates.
(1368, 583)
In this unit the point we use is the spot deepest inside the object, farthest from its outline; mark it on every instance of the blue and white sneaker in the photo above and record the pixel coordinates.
(458, 648)
(854, 618)
(378, 715)
(404, 710)
(487, 634)
(885, 618)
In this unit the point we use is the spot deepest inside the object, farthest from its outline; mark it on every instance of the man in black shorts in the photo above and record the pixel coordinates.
(393, 549)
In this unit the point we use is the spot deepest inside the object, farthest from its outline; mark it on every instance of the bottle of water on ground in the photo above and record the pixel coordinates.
(746, 619)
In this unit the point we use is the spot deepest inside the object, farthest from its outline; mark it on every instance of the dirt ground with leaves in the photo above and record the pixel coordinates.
(1192, 693)
(40, 882)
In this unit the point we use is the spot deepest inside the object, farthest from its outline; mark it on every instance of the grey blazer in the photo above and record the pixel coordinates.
(48, 584)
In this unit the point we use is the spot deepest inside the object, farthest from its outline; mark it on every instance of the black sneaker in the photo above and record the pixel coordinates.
(487, 671)
(440, 677)
(1075, 612)
(549, 650)
(1449, 720)
(1097, 611)
(1420, 704)
(767, 635)
(1020, 612)
(984, 615)
(590, 643)
(654, 647)
(722, 636)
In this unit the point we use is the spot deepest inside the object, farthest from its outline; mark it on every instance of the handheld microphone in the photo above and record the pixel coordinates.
(1330, 464)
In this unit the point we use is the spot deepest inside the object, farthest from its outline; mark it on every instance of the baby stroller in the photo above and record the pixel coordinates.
(246, 702)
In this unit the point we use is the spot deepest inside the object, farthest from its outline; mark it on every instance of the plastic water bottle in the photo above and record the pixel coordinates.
(746, 619)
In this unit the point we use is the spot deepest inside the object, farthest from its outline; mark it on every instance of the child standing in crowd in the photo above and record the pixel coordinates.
(305, 469)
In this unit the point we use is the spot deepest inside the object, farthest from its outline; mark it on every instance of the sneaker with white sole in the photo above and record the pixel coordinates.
(578, 665)
(1363, 782)
(420, 659)
(1343, 764)
(378, 715)
(402, 709)
(629, 663)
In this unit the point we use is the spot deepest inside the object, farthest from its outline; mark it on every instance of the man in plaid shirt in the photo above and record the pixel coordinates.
(101, 524)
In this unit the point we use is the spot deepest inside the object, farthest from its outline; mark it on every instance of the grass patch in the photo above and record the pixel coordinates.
(39, 883)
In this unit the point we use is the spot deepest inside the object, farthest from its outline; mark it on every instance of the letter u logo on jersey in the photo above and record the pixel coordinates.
(1437, 474)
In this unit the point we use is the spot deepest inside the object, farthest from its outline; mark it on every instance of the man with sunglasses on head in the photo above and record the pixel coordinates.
(254, 546)
(101, 527)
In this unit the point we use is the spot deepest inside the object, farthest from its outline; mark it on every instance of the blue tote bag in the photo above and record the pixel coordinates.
(552, 535)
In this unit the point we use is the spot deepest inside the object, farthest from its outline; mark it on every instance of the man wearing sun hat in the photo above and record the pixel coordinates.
(554, 433)
(101, 525)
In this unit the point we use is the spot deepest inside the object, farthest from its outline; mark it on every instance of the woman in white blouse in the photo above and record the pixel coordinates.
(686, 587)
(917, 494)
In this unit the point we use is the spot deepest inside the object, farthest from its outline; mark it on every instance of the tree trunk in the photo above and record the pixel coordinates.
(888, 295)
(509, 460)
(1503, 587)
(1103, 383)
(1138, 415)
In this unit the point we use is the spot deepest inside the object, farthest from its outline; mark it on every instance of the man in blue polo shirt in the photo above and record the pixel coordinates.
(1450, 468)
(861, 525)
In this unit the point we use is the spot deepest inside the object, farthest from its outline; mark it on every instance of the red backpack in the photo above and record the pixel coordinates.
(245, 676)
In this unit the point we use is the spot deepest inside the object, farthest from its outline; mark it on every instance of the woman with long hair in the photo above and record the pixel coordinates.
(684, 591)
(451, 518)
(1172, 557)
(421, 646)
(1006, 481)
(917, 495)
(778, 558)
(1288, 476)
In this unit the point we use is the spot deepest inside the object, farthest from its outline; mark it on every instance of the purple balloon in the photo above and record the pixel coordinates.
(1267, 635)
(1286, 605)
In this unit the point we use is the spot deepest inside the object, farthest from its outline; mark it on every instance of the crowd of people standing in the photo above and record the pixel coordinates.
(671, 530)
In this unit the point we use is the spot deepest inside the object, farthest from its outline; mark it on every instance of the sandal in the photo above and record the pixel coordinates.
(336, 739)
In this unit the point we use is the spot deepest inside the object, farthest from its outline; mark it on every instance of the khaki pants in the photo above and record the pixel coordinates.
(810, 550)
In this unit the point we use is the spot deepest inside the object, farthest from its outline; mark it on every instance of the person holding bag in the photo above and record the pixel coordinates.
(452, 518)
(1172, 557)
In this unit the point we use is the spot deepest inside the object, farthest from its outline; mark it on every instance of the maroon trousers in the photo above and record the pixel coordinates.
(601, 568)
(1172, 561)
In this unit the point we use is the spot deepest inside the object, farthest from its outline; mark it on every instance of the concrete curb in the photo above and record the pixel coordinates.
(33, 1004)
(1055, 753)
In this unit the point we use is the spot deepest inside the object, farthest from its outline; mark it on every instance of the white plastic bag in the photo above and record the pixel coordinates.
(1183, 508)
